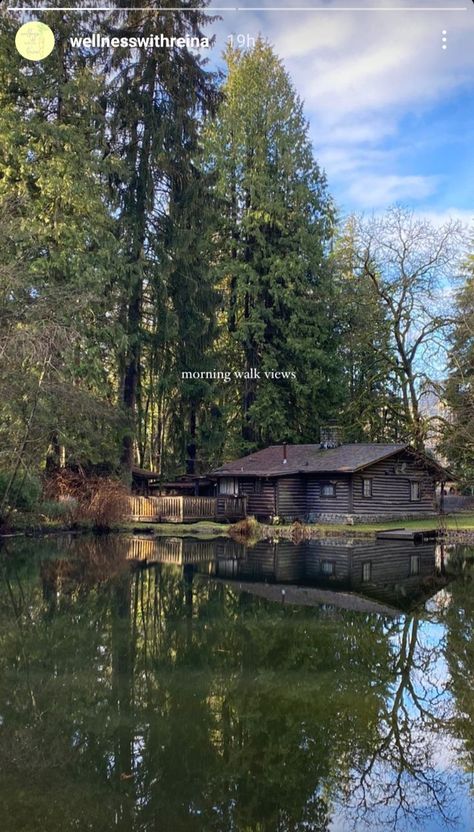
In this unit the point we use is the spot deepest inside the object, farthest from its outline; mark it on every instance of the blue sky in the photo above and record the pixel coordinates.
(390, 112)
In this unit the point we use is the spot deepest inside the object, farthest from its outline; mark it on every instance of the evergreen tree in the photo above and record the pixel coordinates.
(458, 439)
(52, 170)
(156, 100)
(271, 252)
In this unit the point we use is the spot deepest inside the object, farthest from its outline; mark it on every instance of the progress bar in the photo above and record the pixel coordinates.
(207, 9)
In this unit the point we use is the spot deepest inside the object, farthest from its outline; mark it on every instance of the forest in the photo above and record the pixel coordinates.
(164, 226)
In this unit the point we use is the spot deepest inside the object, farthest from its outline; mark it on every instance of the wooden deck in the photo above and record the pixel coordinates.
(186, 509)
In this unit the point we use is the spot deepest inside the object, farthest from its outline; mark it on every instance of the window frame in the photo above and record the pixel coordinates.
(365, 564)
(229, 483)
(415, 485)
(415, 565)
(328, 496)
(370, 481)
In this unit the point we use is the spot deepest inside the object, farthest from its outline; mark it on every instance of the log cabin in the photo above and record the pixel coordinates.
(335, 483)
(395, 572)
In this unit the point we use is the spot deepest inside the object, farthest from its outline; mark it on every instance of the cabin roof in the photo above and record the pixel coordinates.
(308, 459)
(144, 474)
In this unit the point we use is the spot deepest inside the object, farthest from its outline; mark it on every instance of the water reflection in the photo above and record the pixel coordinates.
(398, 573)
(141, 694)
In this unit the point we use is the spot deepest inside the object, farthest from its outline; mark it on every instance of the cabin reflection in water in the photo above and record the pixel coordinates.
(397, 572)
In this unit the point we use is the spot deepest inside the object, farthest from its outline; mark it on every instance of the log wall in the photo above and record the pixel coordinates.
(261, 496)
(317, 504)
(391, 480)
(291, 498)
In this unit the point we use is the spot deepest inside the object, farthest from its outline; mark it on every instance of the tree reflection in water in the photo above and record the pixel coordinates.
(402, 777)
(457, 615)
(157, 700)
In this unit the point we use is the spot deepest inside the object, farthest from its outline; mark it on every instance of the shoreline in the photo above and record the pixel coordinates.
(455, 530)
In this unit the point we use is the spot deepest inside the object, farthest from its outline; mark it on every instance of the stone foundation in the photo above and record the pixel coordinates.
(351, 519)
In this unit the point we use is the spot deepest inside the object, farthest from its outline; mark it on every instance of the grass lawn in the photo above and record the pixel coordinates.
(204, 529)
(208, 529)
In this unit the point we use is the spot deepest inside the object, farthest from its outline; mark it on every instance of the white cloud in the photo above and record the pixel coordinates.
(369, 191)
(442, 217)
(364, 77)
(361, 76)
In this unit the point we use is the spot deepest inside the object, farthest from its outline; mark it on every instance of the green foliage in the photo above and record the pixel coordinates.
(276, 219)
(458, 427)
(156, 102)
(372, 405)
(59, 252)
(153, 223)
(55, 510)
(21, 492)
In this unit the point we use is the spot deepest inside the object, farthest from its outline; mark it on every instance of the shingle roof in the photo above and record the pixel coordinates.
(144, 474)
(307, 459)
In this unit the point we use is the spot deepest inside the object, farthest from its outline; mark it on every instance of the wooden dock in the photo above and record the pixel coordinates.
(186, 509)
(419, 536)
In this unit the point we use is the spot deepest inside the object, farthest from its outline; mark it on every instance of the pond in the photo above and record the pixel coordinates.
(181, 685)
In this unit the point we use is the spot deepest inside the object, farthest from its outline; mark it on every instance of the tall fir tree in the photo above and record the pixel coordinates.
(157, 100)
(271, 253)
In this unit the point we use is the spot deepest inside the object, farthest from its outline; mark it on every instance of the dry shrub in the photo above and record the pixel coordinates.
(298, 532)
(246, 530)
(108, 504)
(90, 562)
(99, 501)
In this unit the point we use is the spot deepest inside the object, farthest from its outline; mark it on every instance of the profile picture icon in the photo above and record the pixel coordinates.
(34, 40)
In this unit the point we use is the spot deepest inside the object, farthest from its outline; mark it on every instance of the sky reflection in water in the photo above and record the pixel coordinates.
(148, 685)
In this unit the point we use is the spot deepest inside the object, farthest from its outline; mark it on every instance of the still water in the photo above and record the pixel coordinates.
(202, 686)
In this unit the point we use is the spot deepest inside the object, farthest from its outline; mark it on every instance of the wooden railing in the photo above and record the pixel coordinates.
(197, 507)
(169, 550)
(186, 509)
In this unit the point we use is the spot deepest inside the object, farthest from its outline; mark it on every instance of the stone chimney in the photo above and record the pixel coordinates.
(331, 436)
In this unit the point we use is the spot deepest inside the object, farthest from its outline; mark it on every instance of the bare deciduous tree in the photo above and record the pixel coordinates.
(412, 264)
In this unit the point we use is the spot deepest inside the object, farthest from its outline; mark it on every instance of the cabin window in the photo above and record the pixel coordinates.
(328, 489)
(415, 565)
(328, 567)
(228, 485)
(367, 487)
(415, 491)
(258, 486)
(366, 571)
